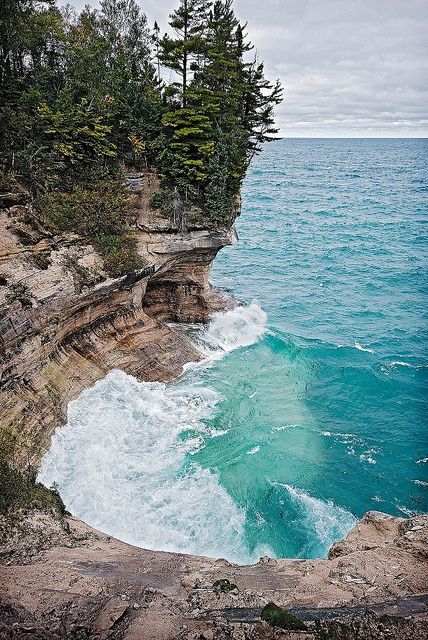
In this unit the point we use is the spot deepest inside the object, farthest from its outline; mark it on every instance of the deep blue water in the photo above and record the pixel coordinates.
(276, 447)
(333, 244)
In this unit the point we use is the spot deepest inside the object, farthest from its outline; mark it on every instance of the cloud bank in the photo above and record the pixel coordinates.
(349, 67)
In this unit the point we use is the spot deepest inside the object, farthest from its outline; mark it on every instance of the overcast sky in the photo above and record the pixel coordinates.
(349, 67)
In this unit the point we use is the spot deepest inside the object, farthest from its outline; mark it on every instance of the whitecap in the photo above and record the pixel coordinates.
(328, 521)
(361, 348)
(121, 464)
(421, 483)
(284, 427)
(401, 363)
(422, 461)
(229, 330)
(215, 433)
(252, 451)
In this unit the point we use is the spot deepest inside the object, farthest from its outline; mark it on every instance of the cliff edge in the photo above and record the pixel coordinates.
(62, 579)
(64, 322)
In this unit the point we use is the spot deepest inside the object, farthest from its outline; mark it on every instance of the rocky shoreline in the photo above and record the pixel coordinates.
(62, 579)
(64, 323)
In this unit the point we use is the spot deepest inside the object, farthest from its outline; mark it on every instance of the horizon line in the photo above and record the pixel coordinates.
(285, 137)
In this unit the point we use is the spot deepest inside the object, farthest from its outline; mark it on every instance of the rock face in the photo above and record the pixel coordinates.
(65, 580)
(64, 323)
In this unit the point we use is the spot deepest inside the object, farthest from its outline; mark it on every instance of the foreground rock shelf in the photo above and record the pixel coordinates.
(62, 579)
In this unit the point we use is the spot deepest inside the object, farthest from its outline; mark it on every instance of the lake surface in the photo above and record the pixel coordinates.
(310, 406)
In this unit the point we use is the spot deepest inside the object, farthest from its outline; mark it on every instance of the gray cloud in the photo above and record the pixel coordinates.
(349, 67)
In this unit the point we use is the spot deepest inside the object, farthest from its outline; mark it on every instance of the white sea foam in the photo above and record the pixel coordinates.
(121, 465)
(229, 330)
(361, 348)
(253, 451)
(421, 483)
(402, 363)
(284, 427)
(122, 461)
(329, 522)
(422, 461)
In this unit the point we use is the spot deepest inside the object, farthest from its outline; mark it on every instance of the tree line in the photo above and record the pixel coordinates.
(85, 94)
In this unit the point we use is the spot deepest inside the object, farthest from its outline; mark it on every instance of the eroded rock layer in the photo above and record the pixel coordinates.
(64, 322)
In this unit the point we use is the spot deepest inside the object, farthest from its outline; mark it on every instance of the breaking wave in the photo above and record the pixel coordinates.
(123, 462)
(328, 521)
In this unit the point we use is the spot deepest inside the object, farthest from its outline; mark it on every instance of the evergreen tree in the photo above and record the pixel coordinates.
(234, 102)
(188, 22)
(80, 97)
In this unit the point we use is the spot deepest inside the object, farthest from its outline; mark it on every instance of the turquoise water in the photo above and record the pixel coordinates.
(310, 407)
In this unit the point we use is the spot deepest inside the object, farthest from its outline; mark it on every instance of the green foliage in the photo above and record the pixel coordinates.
(278, 617)
(20, 491)
(97, 210)
(100, 213)
(120, 255)
(80, 98)
(220, 117)
(223, 585)
(186, 49)
(163, 200)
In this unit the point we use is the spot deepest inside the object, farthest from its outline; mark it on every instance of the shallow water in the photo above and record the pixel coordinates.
(310, 407)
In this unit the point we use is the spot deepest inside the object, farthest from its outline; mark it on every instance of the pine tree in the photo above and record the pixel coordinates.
(261, 98)
(183, 51)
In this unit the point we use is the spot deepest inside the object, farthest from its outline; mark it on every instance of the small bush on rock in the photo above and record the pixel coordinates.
(21, 491)
(278, 617)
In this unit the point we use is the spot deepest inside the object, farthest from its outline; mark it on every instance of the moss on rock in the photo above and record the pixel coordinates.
(278, 617)
(224, 586)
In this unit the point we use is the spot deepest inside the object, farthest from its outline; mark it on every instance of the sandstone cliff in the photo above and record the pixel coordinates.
(64, 323)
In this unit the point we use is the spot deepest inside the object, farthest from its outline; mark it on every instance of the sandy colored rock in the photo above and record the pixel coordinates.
(89, 579)
(64, 323)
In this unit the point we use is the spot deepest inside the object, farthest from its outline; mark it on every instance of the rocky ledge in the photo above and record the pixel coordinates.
(63, 324)
(62, 579)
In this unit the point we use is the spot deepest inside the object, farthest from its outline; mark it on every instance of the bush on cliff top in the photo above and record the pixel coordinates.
(20, 491)
(99, 212)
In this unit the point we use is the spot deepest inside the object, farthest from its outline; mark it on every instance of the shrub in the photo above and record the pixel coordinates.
(100, 212)
(278, 617)
(19, 490)
(120, 255)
